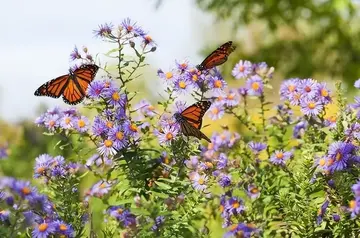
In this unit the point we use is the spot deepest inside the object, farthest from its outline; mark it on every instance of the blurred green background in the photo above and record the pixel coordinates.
(313, 38)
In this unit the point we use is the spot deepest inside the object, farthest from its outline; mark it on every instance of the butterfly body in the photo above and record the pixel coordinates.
(71, 86)
(190, 119)
(217, 57)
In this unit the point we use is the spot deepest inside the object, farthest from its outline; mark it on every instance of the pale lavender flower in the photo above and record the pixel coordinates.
(242, 69)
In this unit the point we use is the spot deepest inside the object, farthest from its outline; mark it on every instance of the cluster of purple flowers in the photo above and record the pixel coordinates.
(68, 119)
(310, 95)
(354, 205)
(84, 55)
(127, 31)
(4, 151)
(340, 156)
(242, 230)
(125, 218)
(36, 209)
(50, 167)
(230, 207)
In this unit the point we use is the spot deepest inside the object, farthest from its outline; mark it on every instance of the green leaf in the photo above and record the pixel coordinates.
(163, 185)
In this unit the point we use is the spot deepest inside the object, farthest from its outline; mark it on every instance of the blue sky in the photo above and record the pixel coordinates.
(38, 35)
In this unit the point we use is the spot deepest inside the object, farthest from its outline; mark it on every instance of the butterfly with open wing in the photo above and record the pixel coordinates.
(217, 57)
(190, 119)
(71, 86)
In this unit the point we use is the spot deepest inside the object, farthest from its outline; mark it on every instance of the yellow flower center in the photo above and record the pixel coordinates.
(291, 88)
(115, 96)
(322, 162)
(166, 160)
(236, 204)
(51, 123)
(307, 89)
(43, 227)
(119, 210)
(195, 77)
(221, 208)
(183, 65)
(169, 136)
(182, 84)
(210, 146)
(255, 85)
(233, 227)
(324, 92)
(280, 155)
(352, 204)
(254, 190)
(67, 120)
(201, 181)
(119, 135)
(108, 143)
(338, 156)
(215, 110)
(241, 68)
(209, 165)
(148, 38)
(133, 128)
(81, 123)
(169, 75)
(109, 124)
(129, 28)
(330, 162)
(40, 170)
(151, 108)
(26, 190)
(103, 185)
(230, 96)
(63, 227)
(218, 84)
(311, 105)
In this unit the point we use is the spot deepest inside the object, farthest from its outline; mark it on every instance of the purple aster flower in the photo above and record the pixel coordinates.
(131, 27)
(169, 77)
(323, 93)
(182, 85)
(339, 155)
(354, 207)
(253, 191)
(182, 65)
(243, 91)
(308, 88)
(145, 108)
(193, 162)
(299, 129)
(330, 121)
(3, 151)
(216, 111)
(42, 164)
(222, 161)
(295, 98)
(147, 40)
(217, 84)
(242, 69)
(130, 128)
(52, 122)
(63, 229)
(67, 122)
(158, 223)
(356, 189)
(199, 182)
(98, 161)
(167, 134)
(242, 230)
(311, 107)
(117, 135)
(257, 147)
(100, 188)
(22, 188)
(255, 85)
(234, 206)
(40, 121)
(43, 230)
(356, 105)
(95, 89)
(120, 113)
(353, 131)
(280, 157)
(114, 97)
(336, 217)
(75, 54)
(321, 211)
(232, 98)
(107, 148)
(4, 216)
(357, 84)
(104, 30)
(224, 180)
(288, 87)
(99, 127)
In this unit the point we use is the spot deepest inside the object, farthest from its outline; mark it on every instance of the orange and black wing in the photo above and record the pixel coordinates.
(194, 114)
(79, 81)
(217, 57)
(53, 88)
(189, 130)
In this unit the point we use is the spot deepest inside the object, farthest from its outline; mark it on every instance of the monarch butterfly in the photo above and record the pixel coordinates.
(217, 57)
(190, 119)
(72, 86)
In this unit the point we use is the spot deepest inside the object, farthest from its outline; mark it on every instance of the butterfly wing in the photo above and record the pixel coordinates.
(217, 57)
(54, 88)
(79, 81)
(194, 114)
(189, 130)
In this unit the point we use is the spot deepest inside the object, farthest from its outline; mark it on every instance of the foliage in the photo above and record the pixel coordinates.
(292, 172)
